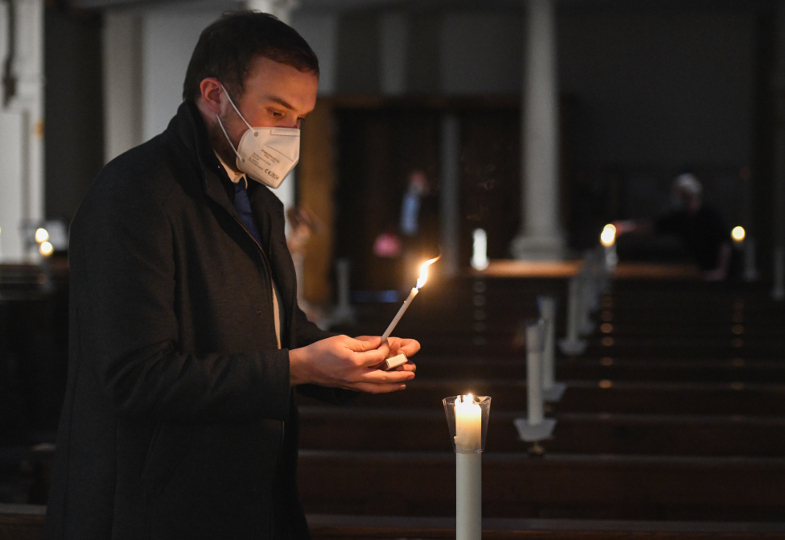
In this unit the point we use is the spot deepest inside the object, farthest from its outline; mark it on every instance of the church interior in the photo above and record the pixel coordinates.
(634, 393)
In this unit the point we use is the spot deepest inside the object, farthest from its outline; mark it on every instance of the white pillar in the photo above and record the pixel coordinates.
(122, 40)
(540, 237)
(280, 8)
(393, 41)
(778, 290)
(283, 10)
(449, 195)
(21, 126)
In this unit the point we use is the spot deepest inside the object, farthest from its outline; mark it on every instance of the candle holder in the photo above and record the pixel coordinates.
(467, 420)
(535, 427)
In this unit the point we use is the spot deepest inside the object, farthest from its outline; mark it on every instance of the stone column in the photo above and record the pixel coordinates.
(283, 10)
(449, 196)
(21, 127)
(778, 270)
(122, 80)
(393, 38)
(540, 237)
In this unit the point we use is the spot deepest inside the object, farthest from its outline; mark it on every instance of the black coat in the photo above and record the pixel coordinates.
(178, 421)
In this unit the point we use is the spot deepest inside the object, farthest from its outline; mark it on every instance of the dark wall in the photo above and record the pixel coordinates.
(73, 108)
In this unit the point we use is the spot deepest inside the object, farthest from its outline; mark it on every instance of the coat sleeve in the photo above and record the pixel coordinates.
(123, 284)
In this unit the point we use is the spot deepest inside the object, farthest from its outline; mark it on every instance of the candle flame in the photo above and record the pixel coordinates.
(424, 272)
(608, 236)
(46, 249)
(41, 235)
(738, 233)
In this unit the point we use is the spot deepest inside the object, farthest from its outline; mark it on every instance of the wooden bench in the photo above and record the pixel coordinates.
(602, 396)
(339, 428)
(555, 486)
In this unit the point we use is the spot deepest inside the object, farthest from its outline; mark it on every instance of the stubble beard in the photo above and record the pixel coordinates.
(221, 145)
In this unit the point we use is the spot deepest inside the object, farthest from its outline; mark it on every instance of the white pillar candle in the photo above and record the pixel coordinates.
(468, 425)
(468, 469)
(534, 373)
(468, 496)
(479, 249)
(548, 314)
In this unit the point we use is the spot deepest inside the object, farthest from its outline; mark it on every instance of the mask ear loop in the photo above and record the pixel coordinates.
(221, 125)
(236, 109)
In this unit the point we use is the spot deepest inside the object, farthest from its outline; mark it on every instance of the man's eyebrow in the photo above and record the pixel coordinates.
(281, 102)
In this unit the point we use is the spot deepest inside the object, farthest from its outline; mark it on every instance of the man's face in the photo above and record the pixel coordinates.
(274, 95)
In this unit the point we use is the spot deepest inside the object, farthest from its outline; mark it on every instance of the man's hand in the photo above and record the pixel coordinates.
(348, 363)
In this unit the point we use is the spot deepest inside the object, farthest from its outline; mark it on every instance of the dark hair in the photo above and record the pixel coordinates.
(226, 48)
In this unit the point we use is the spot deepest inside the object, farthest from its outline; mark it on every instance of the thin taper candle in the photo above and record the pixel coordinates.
(400, 313)
(415, 290)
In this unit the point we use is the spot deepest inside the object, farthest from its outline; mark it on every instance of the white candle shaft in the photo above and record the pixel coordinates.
(468, 496)
(548, 314)
(534, 388)
(534, 377)
(400, 313)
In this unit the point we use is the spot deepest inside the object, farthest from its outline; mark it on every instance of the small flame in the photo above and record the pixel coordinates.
(738, 233)
(424, 272)
(608, 236)
(46, 249)
(41, 235)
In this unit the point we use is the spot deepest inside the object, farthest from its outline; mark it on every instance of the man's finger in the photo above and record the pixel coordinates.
(371, 358)
(376, 388)
(365, 343)
(408, 366)
(378, 376)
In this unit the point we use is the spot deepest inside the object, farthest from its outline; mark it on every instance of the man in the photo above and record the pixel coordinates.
(186, 340)
(699, 226)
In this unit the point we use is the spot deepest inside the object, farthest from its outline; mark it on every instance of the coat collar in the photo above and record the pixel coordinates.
(189, 129)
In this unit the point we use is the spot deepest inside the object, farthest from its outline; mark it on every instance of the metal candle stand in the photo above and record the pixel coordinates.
(535, 427)
(552, 391)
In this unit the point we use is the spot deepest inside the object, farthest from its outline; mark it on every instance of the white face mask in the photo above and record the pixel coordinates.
(266, 154)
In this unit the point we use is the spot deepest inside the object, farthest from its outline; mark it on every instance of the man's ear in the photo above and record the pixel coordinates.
(211, 94)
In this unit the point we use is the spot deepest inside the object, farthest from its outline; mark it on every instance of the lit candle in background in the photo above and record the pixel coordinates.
(608, 240)
(479, 249)
(46, 249)
(41, 235)
(738, 234)
(412, 294)
(608, 235)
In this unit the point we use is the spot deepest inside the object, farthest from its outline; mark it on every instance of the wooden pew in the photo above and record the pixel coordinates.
(25, 522)
(324, 527)
(597, 397)
(556, 486)
(728, 370)
(338, 428)
(21, 521)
